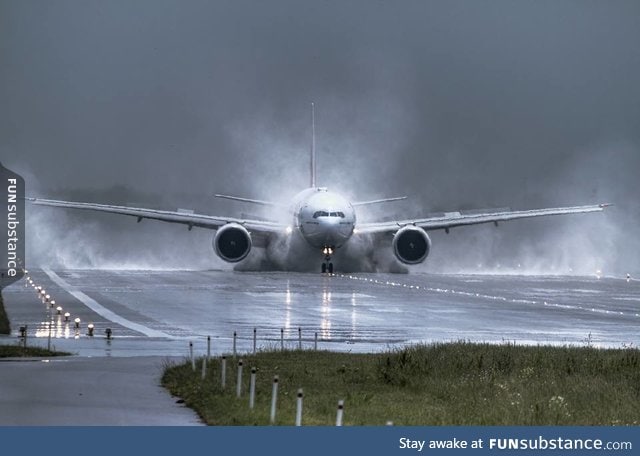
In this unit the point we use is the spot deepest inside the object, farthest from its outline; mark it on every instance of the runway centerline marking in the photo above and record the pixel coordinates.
(101, 310)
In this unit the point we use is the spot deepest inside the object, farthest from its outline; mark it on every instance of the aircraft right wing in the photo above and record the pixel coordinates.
(454, 219)
(185, 218)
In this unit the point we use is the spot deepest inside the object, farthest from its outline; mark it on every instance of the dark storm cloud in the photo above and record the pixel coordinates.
(458, 104)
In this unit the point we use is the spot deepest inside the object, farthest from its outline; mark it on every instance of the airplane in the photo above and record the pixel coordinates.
(323, 219)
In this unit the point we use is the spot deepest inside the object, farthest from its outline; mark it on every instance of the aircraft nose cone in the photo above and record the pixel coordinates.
(333, 233)
(327, 231)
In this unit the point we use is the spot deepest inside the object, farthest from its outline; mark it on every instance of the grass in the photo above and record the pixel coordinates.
(18, 351)
(441, 384)
(5, 327)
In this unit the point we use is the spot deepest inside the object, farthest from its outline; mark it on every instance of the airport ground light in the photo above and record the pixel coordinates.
(51, 306)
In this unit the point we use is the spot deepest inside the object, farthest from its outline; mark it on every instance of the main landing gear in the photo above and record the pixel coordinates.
(327, 266)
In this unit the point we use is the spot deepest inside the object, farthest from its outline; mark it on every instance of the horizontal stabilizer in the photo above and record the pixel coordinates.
(384, 200)
(248, 200)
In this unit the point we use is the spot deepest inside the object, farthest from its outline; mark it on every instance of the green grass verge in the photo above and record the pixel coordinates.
(5, 327)
(18, 351)
(442, 384)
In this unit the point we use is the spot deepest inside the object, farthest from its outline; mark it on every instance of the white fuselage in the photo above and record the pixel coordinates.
(323, 218)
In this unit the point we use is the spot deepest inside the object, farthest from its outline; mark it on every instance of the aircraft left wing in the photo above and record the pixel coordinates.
(454, 219)
(186, 218)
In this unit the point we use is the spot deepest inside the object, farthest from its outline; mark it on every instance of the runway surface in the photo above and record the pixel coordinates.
(159, 313)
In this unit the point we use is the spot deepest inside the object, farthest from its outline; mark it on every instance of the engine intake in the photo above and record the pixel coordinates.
(232, 242)
(411, 244)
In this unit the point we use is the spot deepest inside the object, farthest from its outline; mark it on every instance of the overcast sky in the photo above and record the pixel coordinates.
(459, 104)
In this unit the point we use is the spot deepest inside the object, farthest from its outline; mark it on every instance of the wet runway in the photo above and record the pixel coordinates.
(158, 313)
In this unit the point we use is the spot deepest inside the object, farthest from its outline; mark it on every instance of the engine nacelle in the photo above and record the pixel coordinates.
(232, 242)
(411, 245)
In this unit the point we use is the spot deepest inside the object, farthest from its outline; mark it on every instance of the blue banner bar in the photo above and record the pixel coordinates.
(325, 441)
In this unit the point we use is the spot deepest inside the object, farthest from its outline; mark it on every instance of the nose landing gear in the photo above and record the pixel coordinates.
(327, 266)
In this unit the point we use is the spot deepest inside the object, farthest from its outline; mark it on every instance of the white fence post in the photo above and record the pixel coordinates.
(299, 408)
(274, 400)
(223, 373)
(255, 339)
(252, 388)
(239, 384)
(193, 361)
(204, 368)
(340, 413)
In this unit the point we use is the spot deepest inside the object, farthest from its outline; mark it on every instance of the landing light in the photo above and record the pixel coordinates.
(288, 230)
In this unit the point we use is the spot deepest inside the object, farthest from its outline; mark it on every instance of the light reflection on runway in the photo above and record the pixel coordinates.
(362, 312)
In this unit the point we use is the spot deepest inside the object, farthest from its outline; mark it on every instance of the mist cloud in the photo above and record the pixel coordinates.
(457, 104)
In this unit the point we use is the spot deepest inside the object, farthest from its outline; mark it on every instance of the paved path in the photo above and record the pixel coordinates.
(88, 391)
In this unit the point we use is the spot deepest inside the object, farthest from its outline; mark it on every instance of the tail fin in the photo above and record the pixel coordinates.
(313, 149)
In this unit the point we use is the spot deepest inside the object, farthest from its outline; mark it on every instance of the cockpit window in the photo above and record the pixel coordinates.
(328, 214)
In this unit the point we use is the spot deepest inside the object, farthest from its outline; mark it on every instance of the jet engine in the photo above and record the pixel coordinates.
(411, 244)
(232, 242)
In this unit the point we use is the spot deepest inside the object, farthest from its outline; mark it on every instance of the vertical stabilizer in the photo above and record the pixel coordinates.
(313, 148)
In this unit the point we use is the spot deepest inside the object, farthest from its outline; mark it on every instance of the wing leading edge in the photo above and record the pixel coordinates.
(189, 219)
(454, 219)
